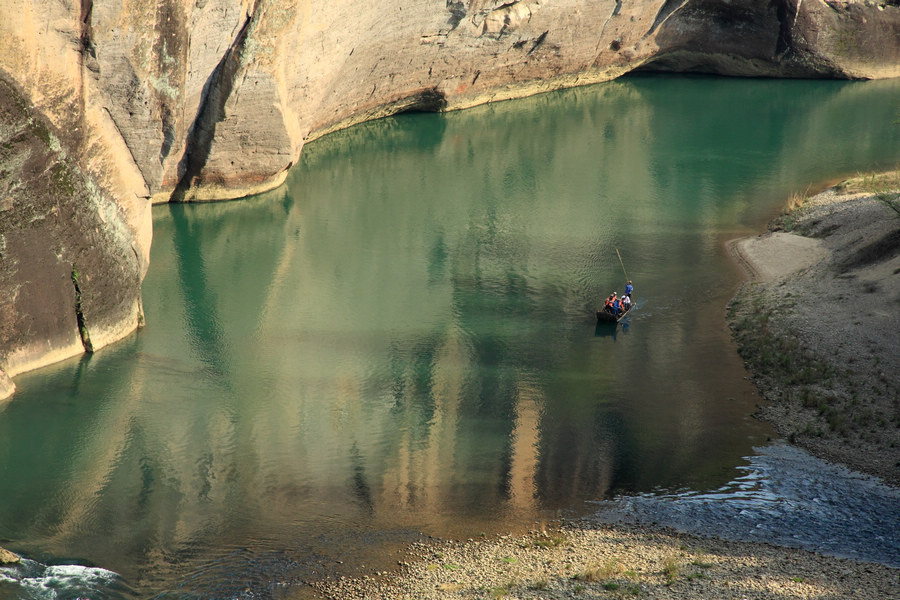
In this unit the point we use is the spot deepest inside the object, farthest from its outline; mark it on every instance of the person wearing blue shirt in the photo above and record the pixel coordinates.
(628, 289)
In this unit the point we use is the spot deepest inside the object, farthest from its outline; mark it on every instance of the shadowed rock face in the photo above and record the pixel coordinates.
(69, 276)
(192, 100)
(780, 38)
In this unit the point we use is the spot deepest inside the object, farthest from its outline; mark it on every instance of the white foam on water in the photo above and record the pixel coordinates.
(36, 581)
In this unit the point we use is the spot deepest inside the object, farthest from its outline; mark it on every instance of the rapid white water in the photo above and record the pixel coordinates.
(32, 580)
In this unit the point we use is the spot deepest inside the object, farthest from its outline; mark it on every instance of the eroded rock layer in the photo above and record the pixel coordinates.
(191, 100)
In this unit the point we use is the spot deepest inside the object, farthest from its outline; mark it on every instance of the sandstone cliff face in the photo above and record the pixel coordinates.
(70, 271)
(781, 39)
(191, 100)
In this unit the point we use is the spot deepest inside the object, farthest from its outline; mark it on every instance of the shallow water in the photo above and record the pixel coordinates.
(400, 342)
(785, 497)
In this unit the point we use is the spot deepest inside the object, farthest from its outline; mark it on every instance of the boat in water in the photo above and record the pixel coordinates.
(609, 315)
(606, 316)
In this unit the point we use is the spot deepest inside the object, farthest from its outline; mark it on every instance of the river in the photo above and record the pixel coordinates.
(400, 342)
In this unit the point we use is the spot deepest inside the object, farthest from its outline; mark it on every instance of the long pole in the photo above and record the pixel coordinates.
(621, 263)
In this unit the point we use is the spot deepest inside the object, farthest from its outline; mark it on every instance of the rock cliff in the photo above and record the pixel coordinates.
(70, 267)
(109, 105)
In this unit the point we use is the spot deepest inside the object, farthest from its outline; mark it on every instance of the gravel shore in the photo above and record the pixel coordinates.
(818, 325)
(589, 560)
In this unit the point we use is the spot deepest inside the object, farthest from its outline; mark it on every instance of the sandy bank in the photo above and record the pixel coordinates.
(775, 255)
(819, 323)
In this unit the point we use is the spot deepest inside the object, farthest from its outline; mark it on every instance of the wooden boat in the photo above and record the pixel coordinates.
(604, 316)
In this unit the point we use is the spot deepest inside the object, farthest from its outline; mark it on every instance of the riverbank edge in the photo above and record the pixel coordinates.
(816, 322)
(807, 246)
(591, 559)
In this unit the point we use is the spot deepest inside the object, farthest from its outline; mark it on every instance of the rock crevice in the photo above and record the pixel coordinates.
(211, 111)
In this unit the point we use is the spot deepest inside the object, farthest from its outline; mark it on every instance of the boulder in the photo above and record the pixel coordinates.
(7, 557)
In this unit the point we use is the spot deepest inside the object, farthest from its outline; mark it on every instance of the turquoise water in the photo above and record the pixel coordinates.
(401, 342)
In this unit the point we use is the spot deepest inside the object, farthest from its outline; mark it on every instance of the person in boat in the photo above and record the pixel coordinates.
(617, 306)
(628, 290)
(626, 303)
(608, 307)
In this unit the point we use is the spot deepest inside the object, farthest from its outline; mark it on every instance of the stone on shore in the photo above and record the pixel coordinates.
(7, 557)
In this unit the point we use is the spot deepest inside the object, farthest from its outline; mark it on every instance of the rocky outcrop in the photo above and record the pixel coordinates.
(8, 558)
(192, 100)
(215, 98)
(70, 269)
(788, 38)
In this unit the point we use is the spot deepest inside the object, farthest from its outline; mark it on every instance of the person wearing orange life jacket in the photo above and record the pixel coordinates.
(609, 302)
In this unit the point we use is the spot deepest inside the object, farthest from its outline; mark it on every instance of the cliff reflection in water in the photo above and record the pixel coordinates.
(402, 337)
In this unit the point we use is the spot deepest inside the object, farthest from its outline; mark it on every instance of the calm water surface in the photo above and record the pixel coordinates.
(400, 341)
